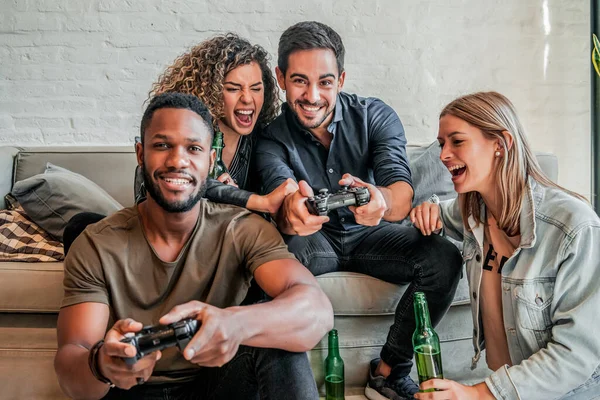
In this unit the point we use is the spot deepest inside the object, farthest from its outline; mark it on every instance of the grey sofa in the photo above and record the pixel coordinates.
(30, 293)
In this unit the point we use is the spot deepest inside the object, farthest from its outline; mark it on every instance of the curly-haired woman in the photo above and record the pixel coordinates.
(233, 78)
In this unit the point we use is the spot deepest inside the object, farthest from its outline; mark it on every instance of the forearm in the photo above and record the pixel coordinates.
(257, 203)
(294, 321)
(398, 198)
(483, 392)
(283, 224)
(74, 375)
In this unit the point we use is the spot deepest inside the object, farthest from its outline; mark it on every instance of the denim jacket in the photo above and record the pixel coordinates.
(550, 295)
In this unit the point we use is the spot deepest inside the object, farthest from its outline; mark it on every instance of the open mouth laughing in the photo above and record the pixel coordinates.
(310, 110)
(457, 170)
(244, 117)
(176, 183)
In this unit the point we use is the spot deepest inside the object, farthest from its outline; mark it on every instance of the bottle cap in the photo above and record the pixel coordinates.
(419, 296)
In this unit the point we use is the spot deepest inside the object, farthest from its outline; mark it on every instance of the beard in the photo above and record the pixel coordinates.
(174, 206)
(317, 123)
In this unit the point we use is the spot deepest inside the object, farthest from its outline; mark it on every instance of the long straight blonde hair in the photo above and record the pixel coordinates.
(493, 113)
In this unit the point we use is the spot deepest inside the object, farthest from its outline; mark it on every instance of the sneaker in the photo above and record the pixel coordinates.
(380, 388)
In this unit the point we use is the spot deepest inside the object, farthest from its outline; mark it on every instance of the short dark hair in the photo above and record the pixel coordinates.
(309, 35)
(175, 100)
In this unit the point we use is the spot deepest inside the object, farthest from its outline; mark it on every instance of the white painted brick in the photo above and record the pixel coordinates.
(93, 23)
(35, 55)
(155, 56)
(41, 122)
(61, 5)
(86, 55)
(23, 137)
(59, 136)
(37, 21)
(29, 106)
(126, 6)
(354, 8)
(150, 22)
(6, 122)
(18, 39)
(72, 38)
(184, 7)
(235, 7)
(16, 5)
(133, 72)
(135, 39)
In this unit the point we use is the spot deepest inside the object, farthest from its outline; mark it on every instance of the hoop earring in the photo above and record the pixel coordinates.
(497, 154)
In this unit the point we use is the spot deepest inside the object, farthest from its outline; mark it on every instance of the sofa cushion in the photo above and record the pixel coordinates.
(51, 199)
(110, 167)
(31, 287)
(354, 294)
(429, 175)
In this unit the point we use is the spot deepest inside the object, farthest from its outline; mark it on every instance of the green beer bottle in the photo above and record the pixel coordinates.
(334, 370)
(219, 167)
(426, 343)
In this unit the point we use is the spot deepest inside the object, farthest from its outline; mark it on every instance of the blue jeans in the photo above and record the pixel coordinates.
(392, 253)
(254, 373)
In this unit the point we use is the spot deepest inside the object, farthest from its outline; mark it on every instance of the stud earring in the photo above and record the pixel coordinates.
(497, 154)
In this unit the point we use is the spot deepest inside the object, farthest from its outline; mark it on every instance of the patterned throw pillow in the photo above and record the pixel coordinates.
(22, 240)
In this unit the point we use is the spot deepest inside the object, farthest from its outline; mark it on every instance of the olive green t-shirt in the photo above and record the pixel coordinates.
(111, 262)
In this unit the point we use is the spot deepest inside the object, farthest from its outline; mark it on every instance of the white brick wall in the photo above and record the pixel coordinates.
(78, 71)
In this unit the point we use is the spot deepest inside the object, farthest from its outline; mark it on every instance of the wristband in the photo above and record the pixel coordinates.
(93, 363)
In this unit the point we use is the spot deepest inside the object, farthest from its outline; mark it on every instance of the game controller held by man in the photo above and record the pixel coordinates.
(324, 202)
(296, 219)
(159, 337)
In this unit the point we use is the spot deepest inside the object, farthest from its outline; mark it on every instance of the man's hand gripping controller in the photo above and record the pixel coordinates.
(324, 201)
(159, 337)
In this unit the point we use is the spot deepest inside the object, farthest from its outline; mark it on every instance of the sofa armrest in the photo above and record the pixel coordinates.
(7, 158)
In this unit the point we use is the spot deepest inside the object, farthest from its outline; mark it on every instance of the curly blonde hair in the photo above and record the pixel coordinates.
(201, 72)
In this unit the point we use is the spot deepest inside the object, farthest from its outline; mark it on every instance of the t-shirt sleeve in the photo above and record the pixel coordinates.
(84, 278)
(258, 242)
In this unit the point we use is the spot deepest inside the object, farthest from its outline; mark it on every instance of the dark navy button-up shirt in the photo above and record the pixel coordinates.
(368, 142)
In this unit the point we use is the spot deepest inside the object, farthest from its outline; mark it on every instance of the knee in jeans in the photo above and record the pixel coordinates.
(446, 253)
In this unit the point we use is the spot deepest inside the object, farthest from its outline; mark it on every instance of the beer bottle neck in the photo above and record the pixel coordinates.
(334, 348)
(423, 320)
(218, 144)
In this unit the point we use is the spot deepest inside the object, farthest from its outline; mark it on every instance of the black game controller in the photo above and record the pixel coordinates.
(159, 337)
(324, 202)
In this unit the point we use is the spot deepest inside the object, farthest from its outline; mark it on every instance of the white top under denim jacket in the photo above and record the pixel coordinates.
(550, 295)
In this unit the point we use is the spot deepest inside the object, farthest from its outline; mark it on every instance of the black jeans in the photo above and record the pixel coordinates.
(392, 253)
(253, 373)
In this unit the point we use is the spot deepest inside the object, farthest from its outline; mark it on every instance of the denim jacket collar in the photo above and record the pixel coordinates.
(531, 200)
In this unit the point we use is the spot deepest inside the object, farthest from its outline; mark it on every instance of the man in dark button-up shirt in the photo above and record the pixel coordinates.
(325, 138)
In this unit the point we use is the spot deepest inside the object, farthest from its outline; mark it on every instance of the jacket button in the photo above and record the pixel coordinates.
(478, 258)
(474, 296)
(330, 170)
(539, 301)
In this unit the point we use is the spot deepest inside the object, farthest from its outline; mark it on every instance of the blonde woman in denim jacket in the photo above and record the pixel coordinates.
(532, 254)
